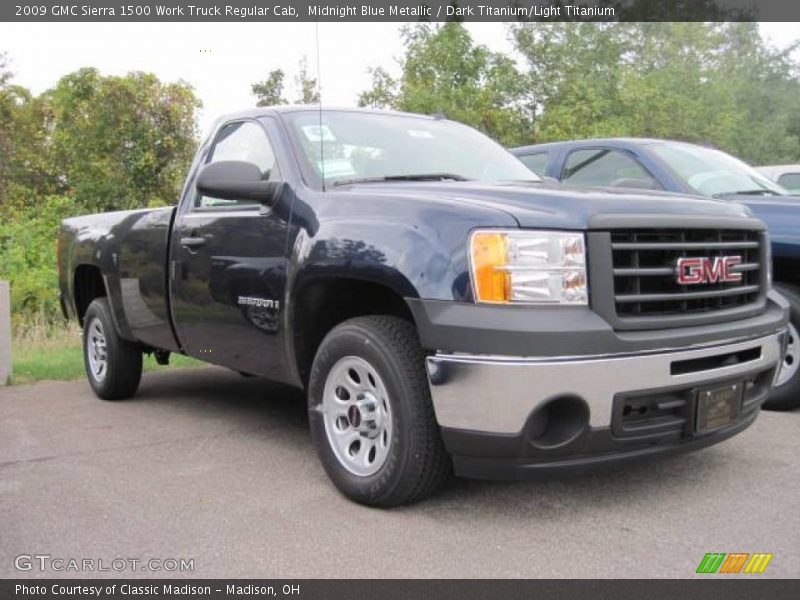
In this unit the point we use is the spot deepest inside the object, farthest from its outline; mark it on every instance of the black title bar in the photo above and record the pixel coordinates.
(398, 10)
(733, 588)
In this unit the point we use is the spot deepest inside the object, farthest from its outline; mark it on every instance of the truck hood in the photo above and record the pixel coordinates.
(552, 205)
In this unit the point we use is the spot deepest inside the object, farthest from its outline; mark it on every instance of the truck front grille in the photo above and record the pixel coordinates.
(646, 277)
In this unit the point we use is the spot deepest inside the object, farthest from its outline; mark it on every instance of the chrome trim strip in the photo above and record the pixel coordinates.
(683, 245)
(580, 357)
(496, 394)
(639, 298)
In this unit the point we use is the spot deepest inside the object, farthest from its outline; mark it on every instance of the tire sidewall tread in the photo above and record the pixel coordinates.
(124, 368)
(417, 463)
(787, 397)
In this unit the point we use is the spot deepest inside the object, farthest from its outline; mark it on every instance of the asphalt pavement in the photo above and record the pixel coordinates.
(210, 467)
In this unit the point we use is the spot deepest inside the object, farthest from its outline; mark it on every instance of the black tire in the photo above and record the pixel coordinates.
(416, 463)
(787, 395)
(123, 360)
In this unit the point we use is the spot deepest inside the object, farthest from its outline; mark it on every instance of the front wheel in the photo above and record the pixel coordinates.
(371, 415)
(786, 394)
(113, 364)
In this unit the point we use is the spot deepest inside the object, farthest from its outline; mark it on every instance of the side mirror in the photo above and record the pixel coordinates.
(237, 180)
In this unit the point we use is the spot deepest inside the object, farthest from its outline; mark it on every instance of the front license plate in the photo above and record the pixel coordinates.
(718, 406)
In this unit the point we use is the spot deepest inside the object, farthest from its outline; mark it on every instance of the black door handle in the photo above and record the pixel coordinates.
(193, 242)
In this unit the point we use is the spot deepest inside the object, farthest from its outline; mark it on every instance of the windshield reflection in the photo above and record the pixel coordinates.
(344, 147)
(713, 173)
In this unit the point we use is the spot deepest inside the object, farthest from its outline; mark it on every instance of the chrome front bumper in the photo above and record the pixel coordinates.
(497, 394)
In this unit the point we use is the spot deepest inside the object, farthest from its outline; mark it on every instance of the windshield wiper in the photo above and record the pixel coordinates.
(415, 177)
(760, 192)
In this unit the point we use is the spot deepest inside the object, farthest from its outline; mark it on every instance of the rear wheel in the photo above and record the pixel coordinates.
(786, 394)
(371, 415)
(113, 364)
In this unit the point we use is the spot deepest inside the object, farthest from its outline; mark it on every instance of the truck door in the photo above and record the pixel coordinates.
(228, 266)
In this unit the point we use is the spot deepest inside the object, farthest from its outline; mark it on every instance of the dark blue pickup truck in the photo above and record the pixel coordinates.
(650, 164)
(444, 308)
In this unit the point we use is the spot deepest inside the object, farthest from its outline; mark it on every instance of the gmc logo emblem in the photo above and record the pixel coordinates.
(701, 269)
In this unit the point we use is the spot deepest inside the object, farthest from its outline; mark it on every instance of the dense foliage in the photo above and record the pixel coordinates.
(91, 143)
(120, 142)
(28, 248)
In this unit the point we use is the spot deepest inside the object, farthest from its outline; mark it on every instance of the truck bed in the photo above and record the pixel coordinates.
(130, 249)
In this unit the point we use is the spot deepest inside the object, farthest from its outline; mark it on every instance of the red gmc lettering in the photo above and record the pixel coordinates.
(694, 270)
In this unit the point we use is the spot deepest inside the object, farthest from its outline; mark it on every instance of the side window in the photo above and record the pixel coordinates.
(246, 141)
(791, 181)
(537, 163)
(607, 168)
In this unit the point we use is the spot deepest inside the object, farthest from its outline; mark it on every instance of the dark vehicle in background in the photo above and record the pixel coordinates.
(650, 164)
(443, 307)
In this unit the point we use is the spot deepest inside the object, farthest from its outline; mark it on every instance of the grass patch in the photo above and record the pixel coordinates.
(40, 352)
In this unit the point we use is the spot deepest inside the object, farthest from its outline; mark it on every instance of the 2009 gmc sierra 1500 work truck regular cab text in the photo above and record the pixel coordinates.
(443, 307)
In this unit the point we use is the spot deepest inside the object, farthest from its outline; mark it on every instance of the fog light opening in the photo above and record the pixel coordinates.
(559, 422)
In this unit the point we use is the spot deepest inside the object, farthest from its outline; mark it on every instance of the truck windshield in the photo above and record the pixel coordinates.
(350, 147)
(713, 173)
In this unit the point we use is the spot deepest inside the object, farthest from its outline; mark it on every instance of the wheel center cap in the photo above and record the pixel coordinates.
(364, 415)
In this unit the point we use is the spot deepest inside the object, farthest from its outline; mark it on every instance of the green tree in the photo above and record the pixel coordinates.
(444, 71)
(6, 119)
(383, 92)
(28, 250)
(25, 169)
(269, 92)
(121, 142)
(764, 83)
(307, 88)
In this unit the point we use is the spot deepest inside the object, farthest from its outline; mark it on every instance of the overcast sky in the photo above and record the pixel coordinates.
(221, 60)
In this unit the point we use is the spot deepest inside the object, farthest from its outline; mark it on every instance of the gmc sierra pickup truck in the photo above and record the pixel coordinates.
(444, 308)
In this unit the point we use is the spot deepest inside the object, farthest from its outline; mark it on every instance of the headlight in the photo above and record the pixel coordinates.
(518, 266)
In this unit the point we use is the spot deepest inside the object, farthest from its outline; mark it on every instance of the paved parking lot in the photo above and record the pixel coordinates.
(206, 465)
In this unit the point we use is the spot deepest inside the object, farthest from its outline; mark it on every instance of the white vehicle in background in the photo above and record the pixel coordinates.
(787, 176)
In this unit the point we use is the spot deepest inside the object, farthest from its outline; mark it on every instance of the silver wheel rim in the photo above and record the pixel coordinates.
(357, 415)
(791, 361)
(96, 350)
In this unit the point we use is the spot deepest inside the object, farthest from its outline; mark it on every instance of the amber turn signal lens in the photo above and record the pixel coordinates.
(489, 256)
